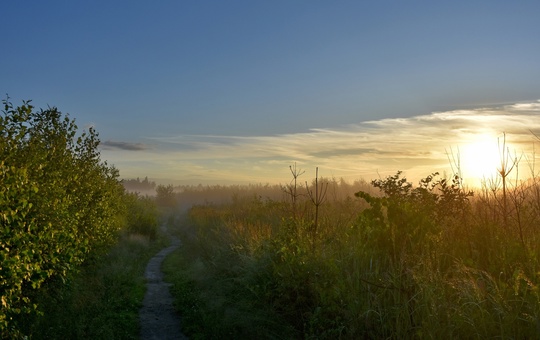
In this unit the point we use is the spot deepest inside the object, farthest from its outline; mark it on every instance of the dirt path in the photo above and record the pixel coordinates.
(157, 316)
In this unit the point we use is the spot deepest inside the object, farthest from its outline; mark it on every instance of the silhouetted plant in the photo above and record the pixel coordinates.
(507, 164)
(292, 188)
(410, 215)
(317, 198)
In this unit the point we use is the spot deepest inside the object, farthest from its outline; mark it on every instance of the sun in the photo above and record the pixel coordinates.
(480, 159)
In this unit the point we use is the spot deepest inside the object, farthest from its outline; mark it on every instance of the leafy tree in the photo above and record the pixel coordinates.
(165, 195)
(59, 204)
(142, 215)
(405, 217)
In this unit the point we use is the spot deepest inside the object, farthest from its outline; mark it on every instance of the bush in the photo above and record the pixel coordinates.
(59, 205)
(142, 215)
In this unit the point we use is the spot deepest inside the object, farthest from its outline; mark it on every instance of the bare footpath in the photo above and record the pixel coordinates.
(157, 316)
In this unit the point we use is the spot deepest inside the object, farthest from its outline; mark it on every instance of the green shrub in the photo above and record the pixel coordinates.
(142, 215)
(59, 205)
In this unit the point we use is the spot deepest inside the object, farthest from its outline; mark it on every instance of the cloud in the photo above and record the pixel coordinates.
(112, 145)
(417, 145)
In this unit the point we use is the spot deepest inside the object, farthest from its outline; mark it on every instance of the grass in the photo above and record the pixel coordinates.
(212, 303)
(413, 262)
(103, 300)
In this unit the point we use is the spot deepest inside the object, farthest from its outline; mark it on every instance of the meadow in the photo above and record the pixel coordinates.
(325, 259)
(316, 258)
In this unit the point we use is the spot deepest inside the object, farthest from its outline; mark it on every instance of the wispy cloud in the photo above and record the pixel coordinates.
(416, 145)
(114, 145)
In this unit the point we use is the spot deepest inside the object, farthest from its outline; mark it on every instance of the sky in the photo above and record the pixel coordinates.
(236, 91)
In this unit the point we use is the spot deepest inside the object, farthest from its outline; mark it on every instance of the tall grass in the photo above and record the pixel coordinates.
(425, 261)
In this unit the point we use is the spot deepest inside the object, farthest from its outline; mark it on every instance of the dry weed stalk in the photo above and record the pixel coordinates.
(317, 199)
(292, 188)
(507, 166)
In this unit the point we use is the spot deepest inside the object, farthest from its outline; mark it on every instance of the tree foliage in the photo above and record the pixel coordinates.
(59, 204)
(165, 195)
(412, 215)
(142, 215)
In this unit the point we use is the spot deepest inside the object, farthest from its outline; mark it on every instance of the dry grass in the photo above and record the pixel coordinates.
(417, 262)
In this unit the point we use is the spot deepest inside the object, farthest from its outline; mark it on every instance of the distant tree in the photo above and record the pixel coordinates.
(165, 195)
(142, 215)
(136, 185)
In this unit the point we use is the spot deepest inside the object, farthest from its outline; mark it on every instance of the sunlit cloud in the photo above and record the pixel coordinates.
(417, 145)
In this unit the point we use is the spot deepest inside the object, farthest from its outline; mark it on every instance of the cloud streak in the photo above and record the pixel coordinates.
(113, 145)
(417, 145)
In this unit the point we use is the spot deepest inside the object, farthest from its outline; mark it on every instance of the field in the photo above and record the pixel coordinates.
(386, 259)
(316, 258)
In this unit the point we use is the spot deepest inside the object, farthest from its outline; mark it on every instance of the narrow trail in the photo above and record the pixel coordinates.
(157, 316)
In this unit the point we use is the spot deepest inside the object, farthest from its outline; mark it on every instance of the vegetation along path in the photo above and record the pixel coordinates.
(158, 317)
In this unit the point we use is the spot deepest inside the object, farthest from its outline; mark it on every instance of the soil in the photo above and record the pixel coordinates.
(158, 318)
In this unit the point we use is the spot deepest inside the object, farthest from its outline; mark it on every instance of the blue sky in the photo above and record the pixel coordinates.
(181, 90)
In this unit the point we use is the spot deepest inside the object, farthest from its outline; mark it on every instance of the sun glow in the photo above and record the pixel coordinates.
(480, 159)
